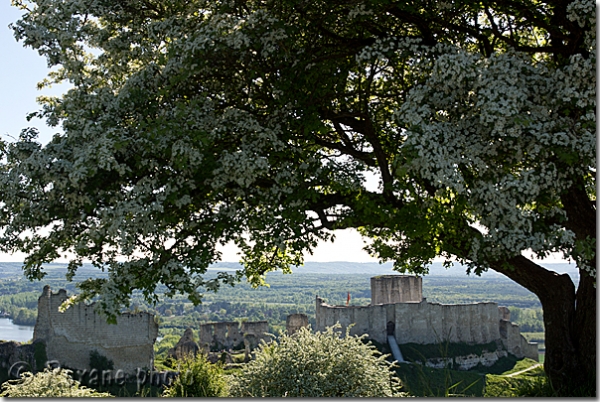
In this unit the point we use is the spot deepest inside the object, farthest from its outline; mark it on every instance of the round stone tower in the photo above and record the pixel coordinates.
(391, 289)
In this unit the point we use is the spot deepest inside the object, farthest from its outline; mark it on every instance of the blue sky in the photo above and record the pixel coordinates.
(22, 68)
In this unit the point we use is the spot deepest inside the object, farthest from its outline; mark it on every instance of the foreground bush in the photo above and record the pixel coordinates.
(316, 365)
(48, 383)
(197, 378)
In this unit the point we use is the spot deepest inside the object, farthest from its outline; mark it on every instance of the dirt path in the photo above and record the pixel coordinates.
(522, 371)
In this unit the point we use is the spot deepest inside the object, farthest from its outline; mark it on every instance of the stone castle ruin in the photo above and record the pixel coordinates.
(217, 336)
(398, 308)
(397, 311)
(72, 335)
(294, 322)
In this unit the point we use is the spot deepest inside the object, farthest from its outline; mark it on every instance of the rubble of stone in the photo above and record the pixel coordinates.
(71, 335)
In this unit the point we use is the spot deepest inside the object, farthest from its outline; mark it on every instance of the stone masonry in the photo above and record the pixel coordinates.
(294, 322)
(71, 336)
(417, 321)
(186, 346)
(390, 289)
(217, 336)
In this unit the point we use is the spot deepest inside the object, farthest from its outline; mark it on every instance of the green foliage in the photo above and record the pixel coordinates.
(539, 337)
(533, 383)
(25, 317)
(39, 354)
(48, 383)
(423, 381)
(100, 362)
(316, 365)
(161, 348)
(502, 365)
(22, 307)
(528, 319)
(197, 378)
(530, 383)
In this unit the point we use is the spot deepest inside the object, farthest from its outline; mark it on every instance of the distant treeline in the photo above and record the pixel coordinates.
(287, 294)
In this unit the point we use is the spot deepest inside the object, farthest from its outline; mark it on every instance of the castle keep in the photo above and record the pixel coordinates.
(71, 336)
(398, 308)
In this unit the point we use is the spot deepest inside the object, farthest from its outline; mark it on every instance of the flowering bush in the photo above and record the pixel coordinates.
(321, 364)
(49, 383)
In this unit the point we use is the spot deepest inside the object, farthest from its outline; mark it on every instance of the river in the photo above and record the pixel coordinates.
(12, 332)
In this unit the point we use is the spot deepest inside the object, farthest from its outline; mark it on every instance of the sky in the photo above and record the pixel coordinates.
(22, 68)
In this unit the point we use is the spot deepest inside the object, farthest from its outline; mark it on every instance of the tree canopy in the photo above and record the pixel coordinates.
(195, 123)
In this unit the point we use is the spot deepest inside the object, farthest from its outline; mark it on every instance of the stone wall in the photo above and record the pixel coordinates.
(230, 335)
(71, 336)
(186, 346)
(486, 359)
(390, 289)
(18, 358)
(294, 322)
(415, 322)
(425, 323)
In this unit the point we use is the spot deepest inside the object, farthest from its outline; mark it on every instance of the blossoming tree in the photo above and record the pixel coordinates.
(194, 123)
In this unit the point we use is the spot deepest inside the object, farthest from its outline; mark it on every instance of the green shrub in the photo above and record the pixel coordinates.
(197, 378)
(423, 381)
(497, 386)
(39, 355)
(48, 383)
(310, 364)
(100, 362)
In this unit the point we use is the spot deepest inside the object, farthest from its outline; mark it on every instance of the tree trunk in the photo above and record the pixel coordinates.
(570, 324)
(584, 328)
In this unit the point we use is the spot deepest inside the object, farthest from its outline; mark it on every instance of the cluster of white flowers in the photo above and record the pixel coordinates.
(177, 137)
(359, 10)
(497, 119)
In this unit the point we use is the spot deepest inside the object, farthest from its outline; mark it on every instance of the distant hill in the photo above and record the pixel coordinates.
(345, 267)
(336, 267)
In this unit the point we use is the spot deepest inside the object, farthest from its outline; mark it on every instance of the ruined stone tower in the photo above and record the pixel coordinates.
(70, 336)
(391, 289)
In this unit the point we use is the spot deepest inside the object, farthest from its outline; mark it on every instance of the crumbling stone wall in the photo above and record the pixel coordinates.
(217, 336)
(427, 323)
(19, 358)
(511, 337)
(71, 336)
(186, 346)
(294, 322)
